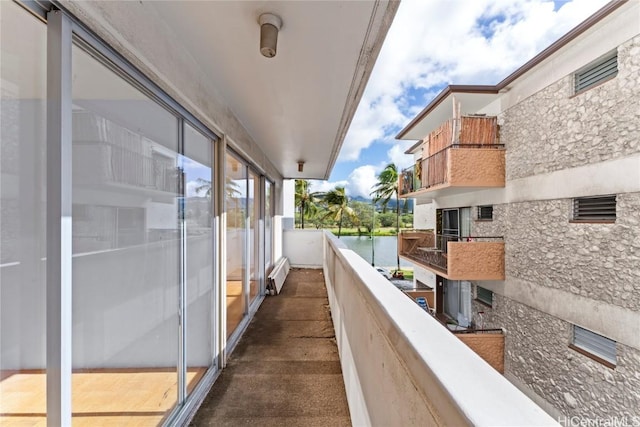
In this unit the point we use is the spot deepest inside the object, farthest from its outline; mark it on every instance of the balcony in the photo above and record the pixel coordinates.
(486, 343)
(461, 155)
(114, 159)
(454, 258)
(334, 348)
(391, 350)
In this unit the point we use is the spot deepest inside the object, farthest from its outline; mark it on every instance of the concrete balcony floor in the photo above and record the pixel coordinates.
(285, 370)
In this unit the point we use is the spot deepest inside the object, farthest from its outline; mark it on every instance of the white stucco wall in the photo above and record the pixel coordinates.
(424, 216)
(303, 248)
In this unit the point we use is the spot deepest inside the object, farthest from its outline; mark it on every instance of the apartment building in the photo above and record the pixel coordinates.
(528, 216)
(145, 147)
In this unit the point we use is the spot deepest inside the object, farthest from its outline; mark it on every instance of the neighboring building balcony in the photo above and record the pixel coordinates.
(486, 343)
(461, 155)
(115, 165)
(112, 158)
(454, 258)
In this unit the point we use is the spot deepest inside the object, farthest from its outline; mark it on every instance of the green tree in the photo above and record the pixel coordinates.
(407, 220)
(338, 207)
(387, 219)
(384, 190)
(364, 213)
(306, 201)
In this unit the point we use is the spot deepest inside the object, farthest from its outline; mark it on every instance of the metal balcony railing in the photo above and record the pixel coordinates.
(430, 249)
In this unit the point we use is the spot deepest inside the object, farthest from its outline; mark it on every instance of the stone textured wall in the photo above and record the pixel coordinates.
(554, 129)
(537, 352)
(598, 261)
(494, 227)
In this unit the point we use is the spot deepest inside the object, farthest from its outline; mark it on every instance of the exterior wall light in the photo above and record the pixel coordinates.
(270, 24)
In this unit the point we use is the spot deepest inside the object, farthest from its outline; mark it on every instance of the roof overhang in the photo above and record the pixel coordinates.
(298, 105)
(476, 98)
(471, 98)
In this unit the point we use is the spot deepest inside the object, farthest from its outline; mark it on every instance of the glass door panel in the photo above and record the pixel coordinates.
(23, 94)
(253, 251)
(127, 187)
(236, 214)
(268, 226)
(196, 166)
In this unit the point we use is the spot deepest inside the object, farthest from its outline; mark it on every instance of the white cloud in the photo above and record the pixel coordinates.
(397, 156)
(324, 186)
(359, 183)
(191, 188)
(436, 42)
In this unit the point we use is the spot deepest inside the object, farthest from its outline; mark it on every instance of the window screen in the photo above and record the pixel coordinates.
(596, 344)
(598, 72)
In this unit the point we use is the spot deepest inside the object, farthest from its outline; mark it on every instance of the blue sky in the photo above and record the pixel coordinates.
(430, 44)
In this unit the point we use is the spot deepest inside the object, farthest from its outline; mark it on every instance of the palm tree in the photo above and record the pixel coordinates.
(231, 187)
(384, 190)
(338, 207)
(305, 200)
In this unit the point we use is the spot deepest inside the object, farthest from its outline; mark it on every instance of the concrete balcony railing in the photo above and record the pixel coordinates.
(461, 154)
(400, 366)
(454, 258)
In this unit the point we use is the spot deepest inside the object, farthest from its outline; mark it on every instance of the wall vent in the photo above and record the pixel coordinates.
(598, 72)
(599, 208)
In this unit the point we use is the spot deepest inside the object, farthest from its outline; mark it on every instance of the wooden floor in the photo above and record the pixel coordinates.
(121, 397)
(235, 302)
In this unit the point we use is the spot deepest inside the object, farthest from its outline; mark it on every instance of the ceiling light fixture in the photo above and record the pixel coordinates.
(270, 24)
(300, 166)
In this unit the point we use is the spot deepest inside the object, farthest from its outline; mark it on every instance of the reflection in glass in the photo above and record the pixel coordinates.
(268, 220)
(127, 185)
(236, 213)
(196, 165)
(253, 252)
(22, 216)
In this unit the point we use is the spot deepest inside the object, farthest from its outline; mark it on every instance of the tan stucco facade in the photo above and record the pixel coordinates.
(489, 346)
(475, 261)
(476, 167)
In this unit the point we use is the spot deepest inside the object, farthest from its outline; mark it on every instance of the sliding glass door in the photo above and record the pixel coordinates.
(268, 226)
(253, 248)
(197, 168)
(127, 247)
(236, 214)
(143, 264)
(23, 207)
(245, 239)
(127, 329)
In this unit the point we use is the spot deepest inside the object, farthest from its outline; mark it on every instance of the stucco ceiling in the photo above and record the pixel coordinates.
(297, 105)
